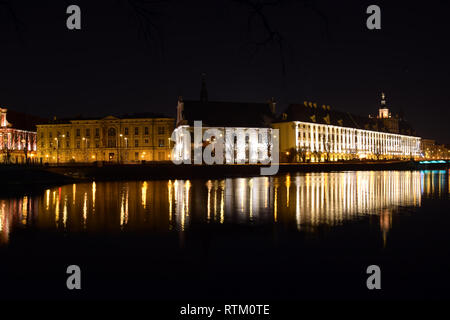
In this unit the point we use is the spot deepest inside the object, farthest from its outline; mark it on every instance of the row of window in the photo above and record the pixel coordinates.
(111, 144)
(111, 132)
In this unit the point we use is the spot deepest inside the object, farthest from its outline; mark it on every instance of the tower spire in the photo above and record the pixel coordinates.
(383, 100)
(204, 92)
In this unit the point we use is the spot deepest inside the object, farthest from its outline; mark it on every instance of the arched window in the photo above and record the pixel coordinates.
(111, 132)
(111, 138)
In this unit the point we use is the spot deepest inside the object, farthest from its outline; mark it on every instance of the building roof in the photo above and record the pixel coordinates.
(325, 115)
(23, 121)
(228, 114)
(143, 115)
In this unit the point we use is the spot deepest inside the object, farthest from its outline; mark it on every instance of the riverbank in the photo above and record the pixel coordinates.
(17, 178)
(167, 170)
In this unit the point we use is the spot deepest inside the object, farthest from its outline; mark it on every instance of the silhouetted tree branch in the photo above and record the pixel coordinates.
(10, 11)
(260, 12)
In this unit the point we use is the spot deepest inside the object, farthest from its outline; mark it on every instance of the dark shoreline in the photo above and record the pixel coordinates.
(36, 178)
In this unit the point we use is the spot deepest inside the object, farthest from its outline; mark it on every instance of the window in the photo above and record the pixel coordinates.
(42, 135)
(78, 132)
(58, 134)
(97, 132)
(136, 131)
(161, 142)
(160, 130)
(50, 134)
(67, 143)
(97, 145)
(126, 131)
(136, 143)
(78, 144)
(136, 156)
(67, 134)
(88, 144)
(146, 130)
(111, 132)
(88, 132)
(42, 144)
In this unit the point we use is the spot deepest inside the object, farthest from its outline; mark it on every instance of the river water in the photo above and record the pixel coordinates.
(294, 236)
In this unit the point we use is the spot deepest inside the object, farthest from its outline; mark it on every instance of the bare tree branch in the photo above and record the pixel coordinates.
(271, 35)
(17, 24)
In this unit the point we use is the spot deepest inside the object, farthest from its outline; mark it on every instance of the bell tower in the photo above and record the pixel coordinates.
(383, 112)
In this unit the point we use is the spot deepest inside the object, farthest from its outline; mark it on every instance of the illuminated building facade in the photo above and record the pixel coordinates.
(126, 139)
(17, 137)
(317, 133)
(433, 151)
(244, 127)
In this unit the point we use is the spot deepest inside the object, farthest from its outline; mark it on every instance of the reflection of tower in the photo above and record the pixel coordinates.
(385, 224)
(204, 92)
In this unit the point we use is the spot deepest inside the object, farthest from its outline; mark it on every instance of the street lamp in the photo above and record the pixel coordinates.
(85, 147)
(57, 150)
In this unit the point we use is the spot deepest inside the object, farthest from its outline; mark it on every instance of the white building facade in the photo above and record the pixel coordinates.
(239, 145)
(322, 142)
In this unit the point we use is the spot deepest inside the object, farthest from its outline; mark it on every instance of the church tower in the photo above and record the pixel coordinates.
(383, 112)
(204, 92)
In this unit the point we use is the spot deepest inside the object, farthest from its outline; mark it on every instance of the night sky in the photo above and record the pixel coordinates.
(112, 66)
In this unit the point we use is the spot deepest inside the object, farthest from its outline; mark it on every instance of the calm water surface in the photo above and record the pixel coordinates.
(234, 233)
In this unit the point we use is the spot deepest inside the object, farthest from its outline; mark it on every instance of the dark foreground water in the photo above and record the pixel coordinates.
(298, 236)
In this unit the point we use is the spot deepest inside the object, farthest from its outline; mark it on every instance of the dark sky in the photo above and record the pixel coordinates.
(330, 57)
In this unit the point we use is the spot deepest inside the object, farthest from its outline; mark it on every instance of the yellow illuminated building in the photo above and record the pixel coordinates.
(127, 139)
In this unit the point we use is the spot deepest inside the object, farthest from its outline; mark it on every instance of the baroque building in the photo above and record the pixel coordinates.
(17, 137)
(125, 139)
(313, 133)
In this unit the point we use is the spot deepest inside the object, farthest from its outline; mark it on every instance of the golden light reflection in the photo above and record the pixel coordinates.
(47, 198)
(56, 211)
(275, 201)
(85, 210)
(208, 202)
(317, 199)
(74, 193)
(94, 190)
(4, 225)
(24, 209)
(65, 212)
(169, 192)
(288, 186)
(222, 202)
(144, 194)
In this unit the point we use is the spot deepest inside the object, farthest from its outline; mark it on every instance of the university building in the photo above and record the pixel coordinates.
(17, 137)
(244, 128)
(125, 139)
(313, 133)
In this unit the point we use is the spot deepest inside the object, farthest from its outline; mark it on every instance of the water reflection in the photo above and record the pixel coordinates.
(302, 201)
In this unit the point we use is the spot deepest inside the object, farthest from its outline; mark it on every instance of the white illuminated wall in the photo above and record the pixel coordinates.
(241, 145)
(362, 143)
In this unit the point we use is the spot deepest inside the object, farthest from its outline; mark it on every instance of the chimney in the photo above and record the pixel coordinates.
(273, 105)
